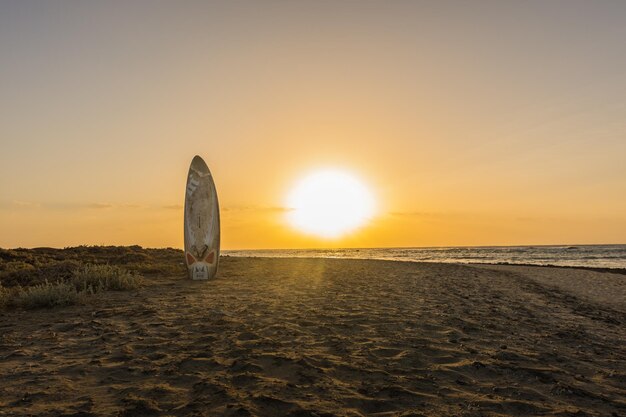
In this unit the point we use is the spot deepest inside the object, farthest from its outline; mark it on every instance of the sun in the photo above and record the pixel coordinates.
(329, 203)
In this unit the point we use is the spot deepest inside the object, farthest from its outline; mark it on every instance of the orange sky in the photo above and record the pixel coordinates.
(477, 123)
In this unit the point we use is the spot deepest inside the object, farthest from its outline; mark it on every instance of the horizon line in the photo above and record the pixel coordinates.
(331, 248)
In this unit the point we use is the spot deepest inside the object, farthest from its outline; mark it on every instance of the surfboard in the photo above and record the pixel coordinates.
(202, 222)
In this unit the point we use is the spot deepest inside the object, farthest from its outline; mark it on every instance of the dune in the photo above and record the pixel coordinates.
(327, 337)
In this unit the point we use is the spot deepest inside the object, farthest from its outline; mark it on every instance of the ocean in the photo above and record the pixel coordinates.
(595, 256)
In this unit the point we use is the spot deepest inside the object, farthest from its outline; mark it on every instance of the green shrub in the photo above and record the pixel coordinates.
(48, 295)
(52, 271)
(96, 278)
(16, 266)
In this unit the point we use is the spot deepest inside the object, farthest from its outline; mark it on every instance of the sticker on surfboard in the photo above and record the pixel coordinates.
(202, 222)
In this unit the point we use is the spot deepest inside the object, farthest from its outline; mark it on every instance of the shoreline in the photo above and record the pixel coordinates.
(620, 271)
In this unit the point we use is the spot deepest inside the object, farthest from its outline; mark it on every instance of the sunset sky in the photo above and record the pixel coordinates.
(471, 123)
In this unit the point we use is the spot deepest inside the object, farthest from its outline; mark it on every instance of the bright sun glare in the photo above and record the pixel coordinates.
(329, 203)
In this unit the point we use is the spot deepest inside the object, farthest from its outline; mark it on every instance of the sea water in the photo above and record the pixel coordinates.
(597, 256)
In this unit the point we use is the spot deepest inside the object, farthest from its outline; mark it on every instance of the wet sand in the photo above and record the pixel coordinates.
(321, 337)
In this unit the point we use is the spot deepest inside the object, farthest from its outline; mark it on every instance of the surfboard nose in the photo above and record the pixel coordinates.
(198, 165)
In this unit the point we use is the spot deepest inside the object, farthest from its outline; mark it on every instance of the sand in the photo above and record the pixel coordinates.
(321, 337)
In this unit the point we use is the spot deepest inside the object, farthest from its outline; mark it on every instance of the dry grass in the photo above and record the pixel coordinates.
(96, 278)
(47, 295)
(84, 282)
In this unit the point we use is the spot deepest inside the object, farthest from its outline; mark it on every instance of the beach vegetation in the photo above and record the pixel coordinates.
(55, 284)
(3, 296)
(27, 267)
(51, 270)
(47, 294)
(96, 278)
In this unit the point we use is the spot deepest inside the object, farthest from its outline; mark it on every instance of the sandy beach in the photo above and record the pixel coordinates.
(324, 337)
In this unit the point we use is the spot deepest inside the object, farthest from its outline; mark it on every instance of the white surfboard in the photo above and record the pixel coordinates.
(202, 222)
